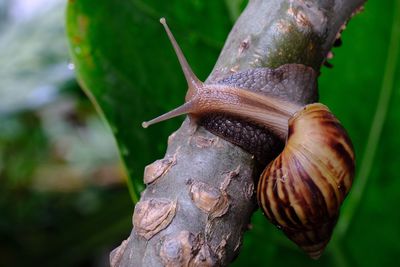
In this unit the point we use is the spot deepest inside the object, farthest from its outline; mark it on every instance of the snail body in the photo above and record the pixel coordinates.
(300, 191)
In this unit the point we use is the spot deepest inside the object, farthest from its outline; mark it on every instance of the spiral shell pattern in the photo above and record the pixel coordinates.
(302, 189)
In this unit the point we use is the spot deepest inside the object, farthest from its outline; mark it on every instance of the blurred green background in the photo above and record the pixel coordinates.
(63, 196)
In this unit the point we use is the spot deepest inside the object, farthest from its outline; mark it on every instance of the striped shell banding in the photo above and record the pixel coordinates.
(302, 189)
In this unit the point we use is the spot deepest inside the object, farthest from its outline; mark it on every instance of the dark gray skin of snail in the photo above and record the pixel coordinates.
(287, 82)
(302, 189)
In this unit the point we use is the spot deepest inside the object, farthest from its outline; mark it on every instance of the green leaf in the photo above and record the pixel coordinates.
(235, 7)
(378, 122)
(128, 69)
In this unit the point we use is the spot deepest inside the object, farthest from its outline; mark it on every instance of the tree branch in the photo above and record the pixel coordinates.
(200, 197)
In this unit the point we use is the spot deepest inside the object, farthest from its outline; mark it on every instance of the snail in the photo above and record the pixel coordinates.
(302, 189)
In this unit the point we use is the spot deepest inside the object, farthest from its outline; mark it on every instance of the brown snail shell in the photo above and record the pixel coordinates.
(302, 189)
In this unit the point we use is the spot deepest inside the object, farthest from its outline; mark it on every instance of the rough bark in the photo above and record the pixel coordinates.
(201, 195)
